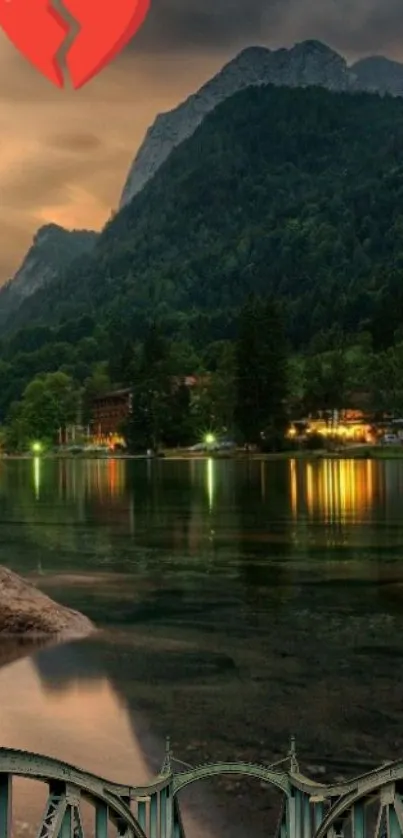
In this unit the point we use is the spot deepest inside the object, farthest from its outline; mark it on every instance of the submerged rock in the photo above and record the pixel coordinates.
(28, 613)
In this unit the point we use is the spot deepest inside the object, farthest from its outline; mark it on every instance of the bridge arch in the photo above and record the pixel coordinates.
(94, 789)
(277, 779)
(362, 787)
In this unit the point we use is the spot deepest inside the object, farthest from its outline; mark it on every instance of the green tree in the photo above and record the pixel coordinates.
(222, 390)
(152, 391)
(326, 382)
(96, 385)
(261, 382)
(49, 402)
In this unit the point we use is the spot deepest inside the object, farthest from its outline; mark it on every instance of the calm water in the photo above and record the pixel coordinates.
(240, 602)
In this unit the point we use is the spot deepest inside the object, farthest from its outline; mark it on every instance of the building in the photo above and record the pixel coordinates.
(108, 414)
(348, 426)
(111, 410)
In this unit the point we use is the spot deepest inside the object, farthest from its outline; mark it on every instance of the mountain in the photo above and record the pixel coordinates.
(53, 249)
(379, 74)
(307, 63)
(279, 190)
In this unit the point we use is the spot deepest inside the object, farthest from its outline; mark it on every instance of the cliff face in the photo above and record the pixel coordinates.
(53, 248)
(308, 63)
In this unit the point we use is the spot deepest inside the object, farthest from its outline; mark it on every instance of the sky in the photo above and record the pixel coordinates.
(65, 154)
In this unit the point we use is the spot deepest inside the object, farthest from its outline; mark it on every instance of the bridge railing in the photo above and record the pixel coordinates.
(307, 809)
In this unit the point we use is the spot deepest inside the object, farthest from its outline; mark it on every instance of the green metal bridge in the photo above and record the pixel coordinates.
(369, 806)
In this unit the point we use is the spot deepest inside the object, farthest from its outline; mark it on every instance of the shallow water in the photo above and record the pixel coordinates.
(239, 602)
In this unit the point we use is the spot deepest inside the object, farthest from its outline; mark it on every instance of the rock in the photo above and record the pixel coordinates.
(27, 613)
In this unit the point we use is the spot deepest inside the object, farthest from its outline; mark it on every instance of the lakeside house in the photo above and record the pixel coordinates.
(108, 413)
(348, 426)
(111, 410)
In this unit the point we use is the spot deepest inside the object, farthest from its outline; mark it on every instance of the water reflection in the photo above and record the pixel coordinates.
(82, 715)
(80, 722)
(62, 703)
(198, 507)
(221, 575)
(210, 481)
(334, 490)
(37, 475)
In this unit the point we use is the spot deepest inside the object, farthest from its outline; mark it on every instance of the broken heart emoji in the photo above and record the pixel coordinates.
(38, 30)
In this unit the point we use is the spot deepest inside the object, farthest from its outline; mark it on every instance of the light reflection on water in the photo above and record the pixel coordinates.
(333, 489)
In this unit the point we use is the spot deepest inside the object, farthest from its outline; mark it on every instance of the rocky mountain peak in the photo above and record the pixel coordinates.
(307, 63)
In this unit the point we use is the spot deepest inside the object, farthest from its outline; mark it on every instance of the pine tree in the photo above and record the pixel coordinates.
(261, 381)
(152, 387)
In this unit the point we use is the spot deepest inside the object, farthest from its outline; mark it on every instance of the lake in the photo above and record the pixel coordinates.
(239, 602)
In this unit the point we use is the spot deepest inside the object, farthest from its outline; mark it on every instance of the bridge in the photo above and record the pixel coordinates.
(369, 806)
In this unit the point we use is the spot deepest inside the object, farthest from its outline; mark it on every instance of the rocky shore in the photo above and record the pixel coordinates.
(27, 613)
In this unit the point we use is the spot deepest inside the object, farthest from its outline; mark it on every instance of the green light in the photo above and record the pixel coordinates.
(209, 439)
(36, 447)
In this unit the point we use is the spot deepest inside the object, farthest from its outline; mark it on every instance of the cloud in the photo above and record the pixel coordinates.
(354, 26)
(179, 25)
(75, 143)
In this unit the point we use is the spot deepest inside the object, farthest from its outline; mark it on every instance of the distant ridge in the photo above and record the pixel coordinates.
(53, 249)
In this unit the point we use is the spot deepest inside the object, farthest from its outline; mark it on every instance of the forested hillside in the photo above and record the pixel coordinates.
(293, 191)
(290, 191)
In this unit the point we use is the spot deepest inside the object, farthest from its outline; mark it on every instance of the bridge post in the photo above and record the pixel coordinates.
(71, 824)
(101, 820)
(291, 816)
(398, 805)
(163, 813)
(394, 830)
(358, 820)
(298, 814)
(142, 812)
(154, 815)
(319, 813)
(66, 830)
(166, 811)
(307, 820)
(5, 805)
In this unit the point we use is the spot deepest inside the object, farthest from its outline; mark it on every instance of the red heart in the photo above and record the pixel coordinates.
(106, 27)
(38, 31)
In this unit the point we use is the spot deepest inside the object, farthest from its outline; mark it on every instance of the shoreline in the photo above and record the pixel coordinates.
(359, 452)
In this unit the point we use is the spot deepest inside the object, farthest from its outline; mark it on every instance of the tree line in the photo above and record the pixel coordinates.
(247, 388)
